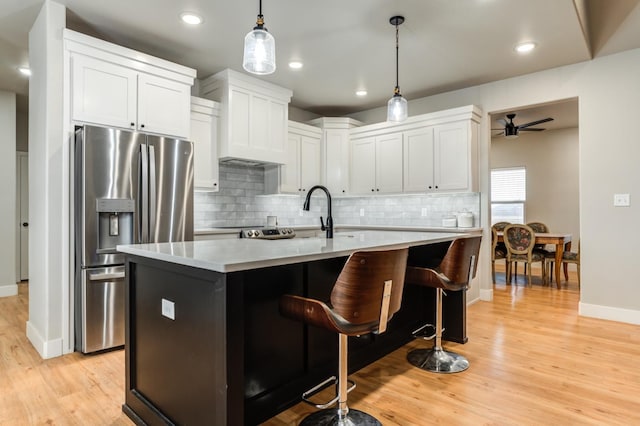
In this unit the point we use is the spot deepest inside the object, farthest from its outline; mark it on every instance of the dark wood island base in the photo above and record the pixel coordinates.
(228, 357)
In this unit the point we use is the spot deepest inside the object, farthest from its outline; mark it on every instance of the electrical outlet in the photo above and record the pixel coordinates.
(621, 200)
(361, 212)
(168, 309)
(424, 211)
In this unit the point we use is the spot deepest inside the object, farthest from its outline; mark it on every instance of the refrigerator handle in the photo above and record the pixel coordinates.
(143, 226)
(152, 193)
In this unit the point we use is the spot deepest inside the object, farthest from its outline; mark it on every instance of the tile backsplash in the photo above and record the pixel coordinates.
(241, 202)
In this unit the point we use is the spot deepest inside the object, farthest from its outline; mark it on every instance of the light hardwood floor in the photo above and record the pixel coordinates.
(534, 361)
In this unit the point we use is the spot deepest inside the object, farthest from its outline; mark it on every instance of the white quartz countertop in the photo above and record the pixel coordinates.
(213, 231)
(233, 255)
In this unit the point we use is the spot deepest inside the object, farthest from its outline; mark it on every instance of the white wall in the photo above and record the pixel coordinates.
(551, 160)
(48, 166)
(607, 89)
(8, 219)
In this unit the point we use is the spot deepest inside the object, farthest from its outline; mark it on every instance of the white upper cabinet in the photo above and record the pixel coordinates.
(253, 119)
(103, 93)
(301, 168)
(335, 155)
(205, 115)
(163, 106)
(376, 164)
(425, 153)
(441, 158)
(115, 86)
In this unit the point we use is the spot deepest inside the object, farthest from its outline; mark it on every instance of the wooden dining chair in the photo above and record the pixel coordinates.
(567, 257)
(519, 240)
(498, 251)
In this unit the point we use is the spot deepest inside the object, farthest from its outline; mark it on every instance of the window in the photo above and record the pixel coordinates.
(508, 194)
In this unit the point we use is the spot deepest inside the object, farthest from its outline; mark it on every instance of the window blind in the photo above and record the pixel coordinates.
(508, 185)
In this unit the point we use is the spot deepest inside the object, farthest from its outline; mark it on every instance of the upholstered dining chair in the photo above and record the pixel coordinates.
(567, 257)
(539, 227)
(519, 240)
(498, 251)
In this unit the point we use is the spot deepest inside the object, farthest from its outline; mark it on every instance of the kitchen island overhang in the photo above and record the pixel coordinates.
(205, 342)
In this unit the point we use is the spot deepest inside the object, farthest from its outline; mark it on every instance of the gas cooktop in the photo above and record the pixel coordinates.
(267, 233)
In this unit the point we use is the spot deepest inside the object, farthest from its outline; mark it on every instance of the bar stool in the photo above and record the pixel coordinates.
(453, 274)
(367, 293)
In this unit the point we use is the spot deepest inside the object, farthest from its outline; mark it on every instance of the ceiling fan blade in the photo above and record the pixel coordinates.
(531, 130)
(533, 123)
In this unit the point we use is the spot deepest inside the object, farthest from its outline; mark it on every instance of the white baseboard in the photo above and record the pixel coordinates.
(629, 316)
(486, 295)
(46, 348)
(8, 290)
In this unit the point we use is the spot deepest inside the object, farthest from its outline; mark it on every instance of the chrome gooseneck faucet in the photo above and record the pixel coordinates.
(329, 225)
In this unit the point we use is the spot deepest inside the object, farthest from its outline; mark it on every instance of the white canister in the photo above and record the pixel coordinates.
(449, 222)
(465, 220)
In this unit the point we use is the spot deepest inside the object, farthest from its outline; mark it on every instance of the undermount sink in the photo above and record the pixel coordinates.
(322, 234)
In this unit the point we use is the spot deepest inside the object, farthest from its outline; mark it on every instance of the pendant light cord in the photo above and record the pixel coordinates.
(397, 55)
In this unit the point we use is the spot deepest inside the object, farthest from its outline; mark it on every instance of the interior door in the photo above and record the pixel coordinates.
(22, 201)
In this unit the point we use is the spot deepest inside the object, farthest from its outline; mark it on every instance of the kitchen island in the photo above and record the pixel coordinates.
(205, 343)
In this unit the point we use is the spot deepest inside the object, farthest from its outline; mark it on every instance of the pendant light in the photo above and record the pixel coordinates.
(259, 49)
(397, 108)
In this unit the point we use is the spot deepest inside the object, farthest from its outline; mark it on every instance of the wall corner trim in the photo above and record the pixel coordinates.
(46, 348)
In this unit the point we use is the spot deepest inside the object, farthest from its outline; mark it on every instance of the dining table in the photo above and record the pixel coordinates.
(561, 241)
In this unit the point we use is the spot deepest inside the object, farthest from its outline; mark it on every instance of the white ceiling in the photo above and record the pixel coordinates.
(347, 45)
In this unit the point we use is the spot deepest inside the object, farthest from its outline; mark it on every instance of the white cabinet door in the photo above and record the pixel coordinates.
(103, 93)
(163, 106)
(113, 95)
(389, 163)
(290, 170)
(451, 156)
(363, 166)
(204, 137)
(336, 145)
(278, 117)
(418, 160)
(309, 162)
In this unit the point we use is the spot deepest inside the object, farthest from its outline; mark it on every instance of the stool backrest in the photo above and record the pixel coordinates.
(461, 261)
(357, 295)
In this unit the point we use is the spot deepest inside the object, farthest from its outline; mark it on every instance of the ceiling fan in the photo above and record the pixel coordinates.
(511, 130)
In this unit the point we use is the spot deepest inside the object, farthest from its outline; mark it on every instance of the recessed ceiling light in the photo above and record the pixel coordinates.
(525, 47)
(361, 93)
(25, 71)
(191, 18)
(295, 65)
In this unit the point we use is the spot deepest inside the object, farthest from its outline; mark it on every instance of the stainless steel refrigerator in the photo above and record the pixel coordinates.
(130, 188)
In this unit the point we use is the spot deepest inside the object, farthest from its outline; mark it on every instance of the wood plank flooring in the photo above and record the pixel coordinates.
(534, 361)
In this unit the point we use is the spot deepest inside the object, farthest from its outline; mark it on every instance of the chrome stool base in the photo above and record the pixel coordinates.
(438, 360)
(329, 417)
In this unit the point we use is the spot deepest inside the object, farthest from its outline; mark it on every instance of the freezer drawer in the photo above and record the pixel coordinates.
(101, 302)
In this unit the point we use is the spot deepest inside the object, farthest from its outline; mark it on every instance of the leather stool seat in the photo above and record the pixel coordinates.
(367, 293)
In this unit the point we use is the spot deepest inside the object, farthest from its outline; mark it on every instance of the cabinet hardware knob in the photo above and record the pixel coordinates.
(429, 186)
(133, 124)
(343, 190)
(215, 183)
(377, 189)
(372, 189)
(142, 125)
(25, 224)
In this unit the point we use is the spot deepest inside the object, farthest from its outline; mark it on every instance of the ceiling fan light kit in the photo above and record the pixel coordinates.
(259, 49)
(397, 107)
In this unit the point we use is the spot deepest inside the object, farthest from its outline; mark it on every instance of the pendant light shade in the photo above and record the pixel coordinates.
(259, 49)
(397, 107)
